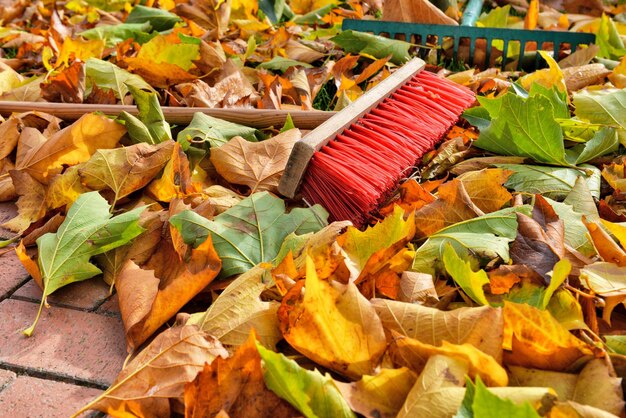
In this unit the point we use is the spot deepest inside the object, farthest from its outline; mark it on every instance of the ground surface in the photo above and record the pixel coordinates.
(75, 352)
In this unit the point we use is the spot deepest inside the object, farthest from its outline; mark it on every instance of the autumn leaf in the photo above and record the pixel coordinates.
(362, 245)
(481, 327)
(173, 359)
(64, 189)
(471, 281)
(176, 178)
(485, 188)
(411, 353)
(381, 395)
(31, 204)
(420, 11)
(250, 232)
(607, 280)
(152, 293)
(483, 403)
(235, 386)
(125, 170)
(87, 230)
(356, 341)
(213, 131)
(607, 248)
(43, 157)
(258, 165)
(239, 309)
(310, 392)
(107, 75)
(453, 205)
(533, 338)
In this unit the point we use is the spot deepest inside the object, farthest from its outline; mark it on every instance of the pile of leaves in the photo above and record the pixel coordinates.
(493, 285)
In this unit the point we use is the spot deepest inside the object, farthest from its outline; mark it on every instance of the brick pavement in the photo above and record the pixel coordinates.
(75, 353)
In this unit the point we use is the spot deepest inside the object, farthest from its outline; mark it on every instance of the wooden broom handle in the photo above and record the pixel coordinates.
(257, 118)
(304, 149)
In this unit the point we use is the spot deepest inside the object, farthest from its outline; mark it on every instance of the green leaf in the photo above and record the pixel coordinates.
(565, 308)
(106, 75)
(471, 281)
(114, 34)
(282, 64)
(487, 236)
(553, 182)
(496, 18)
(605, 141)
(273, 9)
(315, 17)
(526, 128)
(251, 231)
(288, 124)
(216, 132)
(150, 125)
(609, 40)
(581, 200)
(604, 107)
(617, 343)
(576, 235)
(373, 45)
(313, 394)
(87, 230)
(488, 405)
(478, 116)
(159, 19)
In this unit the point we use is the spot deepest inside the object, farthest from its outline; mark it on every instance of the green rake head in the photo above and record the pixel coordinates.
(469, 39)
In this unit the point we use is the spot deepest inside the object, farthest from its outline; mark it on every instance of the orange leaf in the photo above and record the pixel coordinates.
(608, 249)
(413, 196)
(151, 294)
(532, 15)
(31, 267)
(485, 188)
(234, 385)
(535, 339)
(453, 205)
(176, 178)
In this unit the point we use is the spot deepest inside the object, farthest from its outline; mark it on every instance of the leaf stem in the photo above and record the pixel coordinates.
(9, 241)
(29, 331)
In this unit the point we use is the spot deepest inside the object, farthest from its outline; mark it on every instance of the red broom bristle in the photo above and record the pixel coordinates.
(357, 170)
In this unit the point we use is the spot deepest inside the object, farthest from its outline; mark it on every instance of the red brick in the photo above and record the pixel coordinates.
(31, 397)
(86, 295)
(8, 210)
(111, 306)
(6, 377)
(12, 273)
(66, 342)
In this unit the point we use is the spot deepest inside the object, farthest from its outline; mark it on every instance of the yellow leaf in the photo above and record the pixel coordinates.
(258, 165)
(79, 49)
(176, 178)
(605, 245)
(617, 230)
(534, 338)
(618, 76)
(333, 325)
(29, 265)
(42, 158)
(547, 77)
(485, 188)
(362, 245)
(532, 15)
(383, 393)
(65, 188)
(405, 351)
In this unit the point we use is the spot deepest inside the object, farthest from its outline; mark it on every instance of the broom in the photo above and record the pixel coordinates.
(353, 161)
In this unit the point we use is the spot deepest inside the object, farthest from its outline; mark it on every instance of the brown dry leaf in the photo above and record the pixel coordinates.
(609, 250)
(453, 205)
(415, 11)
(583, 7)
(533, 338)
(125, 170)
(161, 75)
(172, 359)
(411, 353)
(299, 52)
(481, 327)
(615, 175)
(235, 386)
(577, 78)
(417, 287)
(51, 225)
(485, 188)
(9, 134)
(258, 165)
(379, 396)
(68, 86)
(31, 205)
(333, 325)
(176, 179)
(151, 294)
(208, 14)
(7, 190)
(540, 240)
(42, 158)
